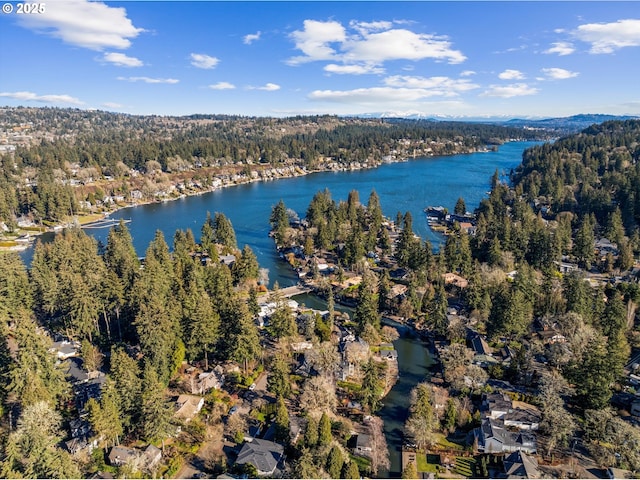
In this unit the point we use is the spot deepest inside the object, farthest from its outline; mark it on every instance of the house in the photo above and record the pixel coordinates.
(207, 381)
(493, 437)
(618, 473)
(480, 345)
(635, 408)
(520, 465)
(150, 458)
(227, 260)
(264, 455)
(498, 406)
(363, 445)
(454, 279)
(64, 349)
(188, 406)
(119, 456)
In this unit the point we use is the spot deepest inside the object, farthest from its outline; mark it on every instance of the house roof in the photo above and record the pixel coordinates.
(494, 429)
(262, 454)
(363, 441)
(480, 345)
(187, 406)
(121, 455)
(520, 465)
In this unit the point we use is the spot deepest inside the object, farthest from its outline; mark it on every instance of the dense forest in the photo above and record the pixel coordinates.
(534, 263)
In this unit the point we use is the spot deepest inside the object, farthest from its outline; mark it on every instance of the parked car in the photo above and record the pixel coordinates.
(252, 387)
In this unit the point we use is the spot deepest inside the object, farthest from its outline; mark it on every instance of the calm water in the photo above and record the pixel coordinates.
(408, 186)
(414, 361)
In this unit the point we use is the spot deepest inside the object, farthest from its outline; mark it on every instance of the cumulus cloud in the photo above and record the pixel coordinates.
(397, 89)
(432, 86)
(33, 97)
(365, 45)
(149, 80)
(561, 48)
(508, 91)
(200, 60)
(269, 87)
(222, 86)
(121, 60)
(559, 73)
(511, 75)
(250, 38)
(467, 73)
(609, 37)
(353, 69)
(85, 24)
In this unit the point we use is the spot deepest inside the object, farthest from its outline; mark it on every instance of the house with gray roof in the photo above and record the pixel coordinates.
(493, 437)
(520, 465)
(262, 454)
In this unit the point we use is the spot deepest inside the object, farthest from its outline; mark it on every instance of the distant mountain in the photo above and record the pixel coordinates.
(555, 126)
(571, 124)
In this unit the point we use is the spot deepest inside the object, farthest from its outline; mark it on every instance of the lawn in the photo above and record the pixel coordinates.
(444, 443)
(424, 465)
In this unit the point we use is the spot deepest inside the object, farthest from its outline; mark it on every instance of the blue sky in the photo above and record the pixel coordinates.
(468, 59)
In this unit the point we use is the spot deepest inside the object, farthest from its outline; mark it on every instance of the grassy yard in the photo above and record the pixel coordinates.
(441, 441)
(424, 465)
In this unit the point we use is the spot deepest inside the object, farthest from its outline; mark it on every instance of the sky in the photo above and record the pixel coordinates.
(431, 58)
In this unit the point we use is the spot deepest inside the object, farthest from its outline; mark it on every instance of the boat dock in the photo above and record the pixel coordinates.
(105, 223)
(289, 292)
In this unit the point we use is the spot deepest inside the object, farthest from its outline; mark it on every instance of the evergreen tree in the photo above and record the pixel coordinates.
(311, 433)
(157, 412)
(279, 221)
(371, 389)
(410, 471)
(335, 462)
(281, 422)
(461, 207)
(324, 430)
(126, 375)
(224, 233)
(246, 267)
(350, 470)
(279, 378)
(367, 308)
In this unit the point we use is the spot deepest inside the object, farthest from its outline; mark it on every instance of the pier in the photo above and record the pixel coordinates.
(289, 292)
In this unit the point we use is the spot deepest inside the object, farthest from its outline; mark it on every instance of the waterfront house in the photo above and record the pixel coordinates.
(493, 437)
(363, 445)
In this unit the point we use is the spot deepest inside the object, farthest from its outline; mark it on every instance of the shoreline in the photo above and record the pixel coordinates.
(224, 181)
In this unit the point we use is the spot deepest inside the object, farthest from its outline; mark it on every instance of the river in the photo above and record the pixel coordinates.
(407, 186)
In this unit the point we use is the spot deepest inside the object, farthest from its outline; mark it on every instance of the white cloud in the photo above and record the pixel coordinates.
(371, 96)
(86, 24)
(314, 41)
(269, 87)
(364, 28)
(353, 69)
(122, 60)
(369, 44)
(467, 73)
(222, 86)
(608, 37)
(400, 44)
(149, 80)
(561, 48)
(559, 73)
(32, 97)
(250, 38)
(112, 105)
(511, 75)
(508, 91)
(200, 60)
(432, 86)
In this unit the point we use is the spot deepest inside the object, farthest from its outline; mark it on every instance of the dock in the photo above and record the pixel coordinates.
(289, 292)
(105, 223)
